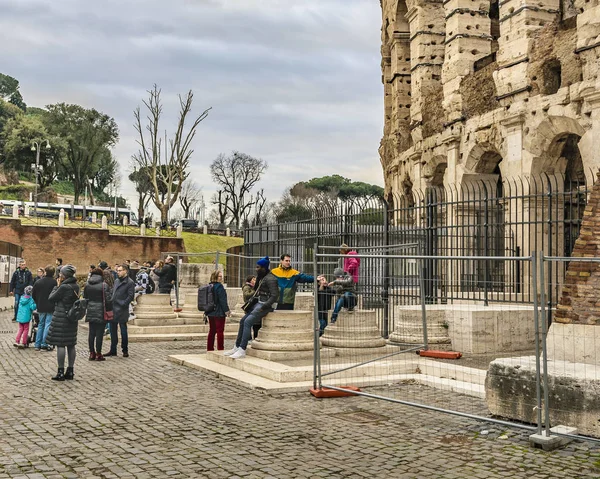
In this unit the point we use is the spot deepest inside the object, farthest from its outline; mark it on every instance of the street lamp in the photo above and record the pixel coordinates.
(35, 146)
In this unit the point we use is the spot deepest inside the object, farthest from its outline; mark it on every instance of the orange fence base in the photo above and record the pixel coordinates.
(334, 393)
(439, 354)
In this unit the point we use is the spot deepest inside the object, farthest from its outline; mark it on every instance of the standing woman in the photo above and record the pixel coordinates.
(99, 297)
(63, 332)
(217, 318)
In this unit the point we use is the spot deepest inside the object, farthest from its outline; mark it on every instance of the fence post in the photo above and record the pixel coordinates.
(549, 308)
(536, 319)
(428, 272)
(316, 325)
(544, 346)
(486, 250)
(386, 272)
(177, 271)
(422, 280)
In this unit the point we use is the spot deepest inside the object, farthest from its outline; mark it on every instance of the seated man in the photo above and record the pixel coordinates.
(267, 294)
(343, 285)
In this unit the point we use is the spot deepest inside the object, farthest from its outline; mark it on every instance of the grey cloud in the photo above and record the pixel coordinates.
(297, 83)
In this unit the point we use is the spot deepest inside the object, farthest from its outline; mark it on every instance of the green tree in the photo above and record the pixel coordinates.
(9, 91)
(143, 187)
(20, 132)
(346, 188)
(88, 135)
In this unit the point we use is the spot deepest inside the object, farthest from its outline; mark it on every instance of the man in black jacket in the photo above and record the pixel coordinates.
(123, 293)
(166, 276)
(268, 293)
(21, 278)
(45, 307)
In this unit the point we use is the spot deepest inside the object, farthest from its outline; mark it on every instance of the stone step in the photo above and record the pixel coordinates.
(177, 329)
(141, 338)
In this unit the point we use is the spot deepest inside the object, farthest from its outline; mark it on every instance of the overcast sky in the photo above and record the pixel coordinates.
(296, 83)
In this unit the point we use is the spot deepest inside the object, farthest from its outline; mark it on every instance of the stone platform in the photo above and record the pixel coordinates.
(356, 334)
(469, 328)
(281, 358)
(573, 376)
(276, 378)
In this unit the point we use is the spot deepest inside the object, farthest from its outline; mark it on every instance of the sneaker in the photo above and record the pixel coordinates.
(16, 345)
(49, 348)
(351, 310)
(21, 346)
(239, 354)
(231, 352)
(37, 349)
(333, 321)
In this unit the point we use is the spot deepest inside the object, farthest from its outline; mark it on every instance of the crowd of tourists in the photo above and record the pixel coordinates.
(51, 301)
(45, 306)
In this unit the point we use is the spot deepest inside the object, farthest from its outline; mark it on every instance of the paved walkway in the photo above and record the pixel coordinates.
(145, 417)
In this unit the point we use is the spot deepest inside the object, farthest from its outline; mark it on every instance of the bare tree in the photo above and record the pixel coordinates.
(190, 195)
(221, 201)
(237, 174)
(167, 173)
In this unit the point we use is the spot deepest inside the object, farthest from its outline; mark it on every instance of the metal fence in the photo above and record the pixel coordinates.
(483, 218)
(515, 370)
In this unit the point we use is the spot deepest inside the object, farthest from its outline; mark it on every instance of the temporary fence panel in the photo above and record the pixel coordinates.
(570, 363)
(376, 347)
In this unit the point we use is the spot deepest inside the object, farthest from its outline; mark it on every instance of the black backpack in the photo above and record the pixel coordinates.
(206, 299)
(151, 285)
(78, 310)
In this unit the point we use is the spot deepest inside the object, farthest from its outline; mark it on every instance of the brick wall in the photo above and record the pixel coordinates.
(81, 246)
(579, 301)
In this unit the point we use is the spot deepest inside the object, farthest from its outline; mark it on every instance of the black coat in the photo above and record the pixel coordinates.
(96, 304)
(166, 275)
(20, 279)
(122, 297)
(62, 331)
(41, 291)
(220, 298)
(268, 291)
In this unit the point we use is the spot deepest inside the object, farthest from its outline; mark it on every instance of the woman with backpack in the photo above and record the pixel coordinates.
(218, 316)
(63, 331)
(99, 297)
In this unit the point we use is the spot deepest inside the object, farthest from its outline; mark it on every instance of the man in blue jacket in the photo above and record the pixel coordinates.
(123, 294)
(21, 278)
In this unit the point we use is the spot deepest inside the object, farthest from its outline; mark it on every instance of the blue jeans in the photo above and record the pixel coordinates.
(42, 332)
(245, 330)
(17, 299)
(114, 338)
(347, 300)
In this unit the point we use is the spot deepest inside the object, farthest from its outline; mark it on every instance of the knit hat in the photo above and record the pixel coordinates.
(264, 262)
(103, 265)
(338, 272)
(28, 290)
(68, 270)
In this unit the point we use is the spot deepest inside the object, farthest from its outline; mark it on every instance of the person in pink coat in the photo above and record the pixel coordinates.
(351, 262)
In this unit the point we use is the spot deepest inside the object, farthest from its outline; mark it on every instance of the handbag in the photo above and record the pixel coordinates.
(108, 315)
(78, 308)
(252, 300)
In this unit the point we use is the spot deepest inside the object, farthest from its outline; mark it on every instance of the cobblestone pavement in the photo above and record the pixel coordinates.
(145, 417)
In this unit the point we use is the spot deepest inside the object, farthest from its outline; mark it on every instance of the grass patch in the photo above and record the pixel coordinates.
(15, 192)
(199, 243)
(63, 187)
